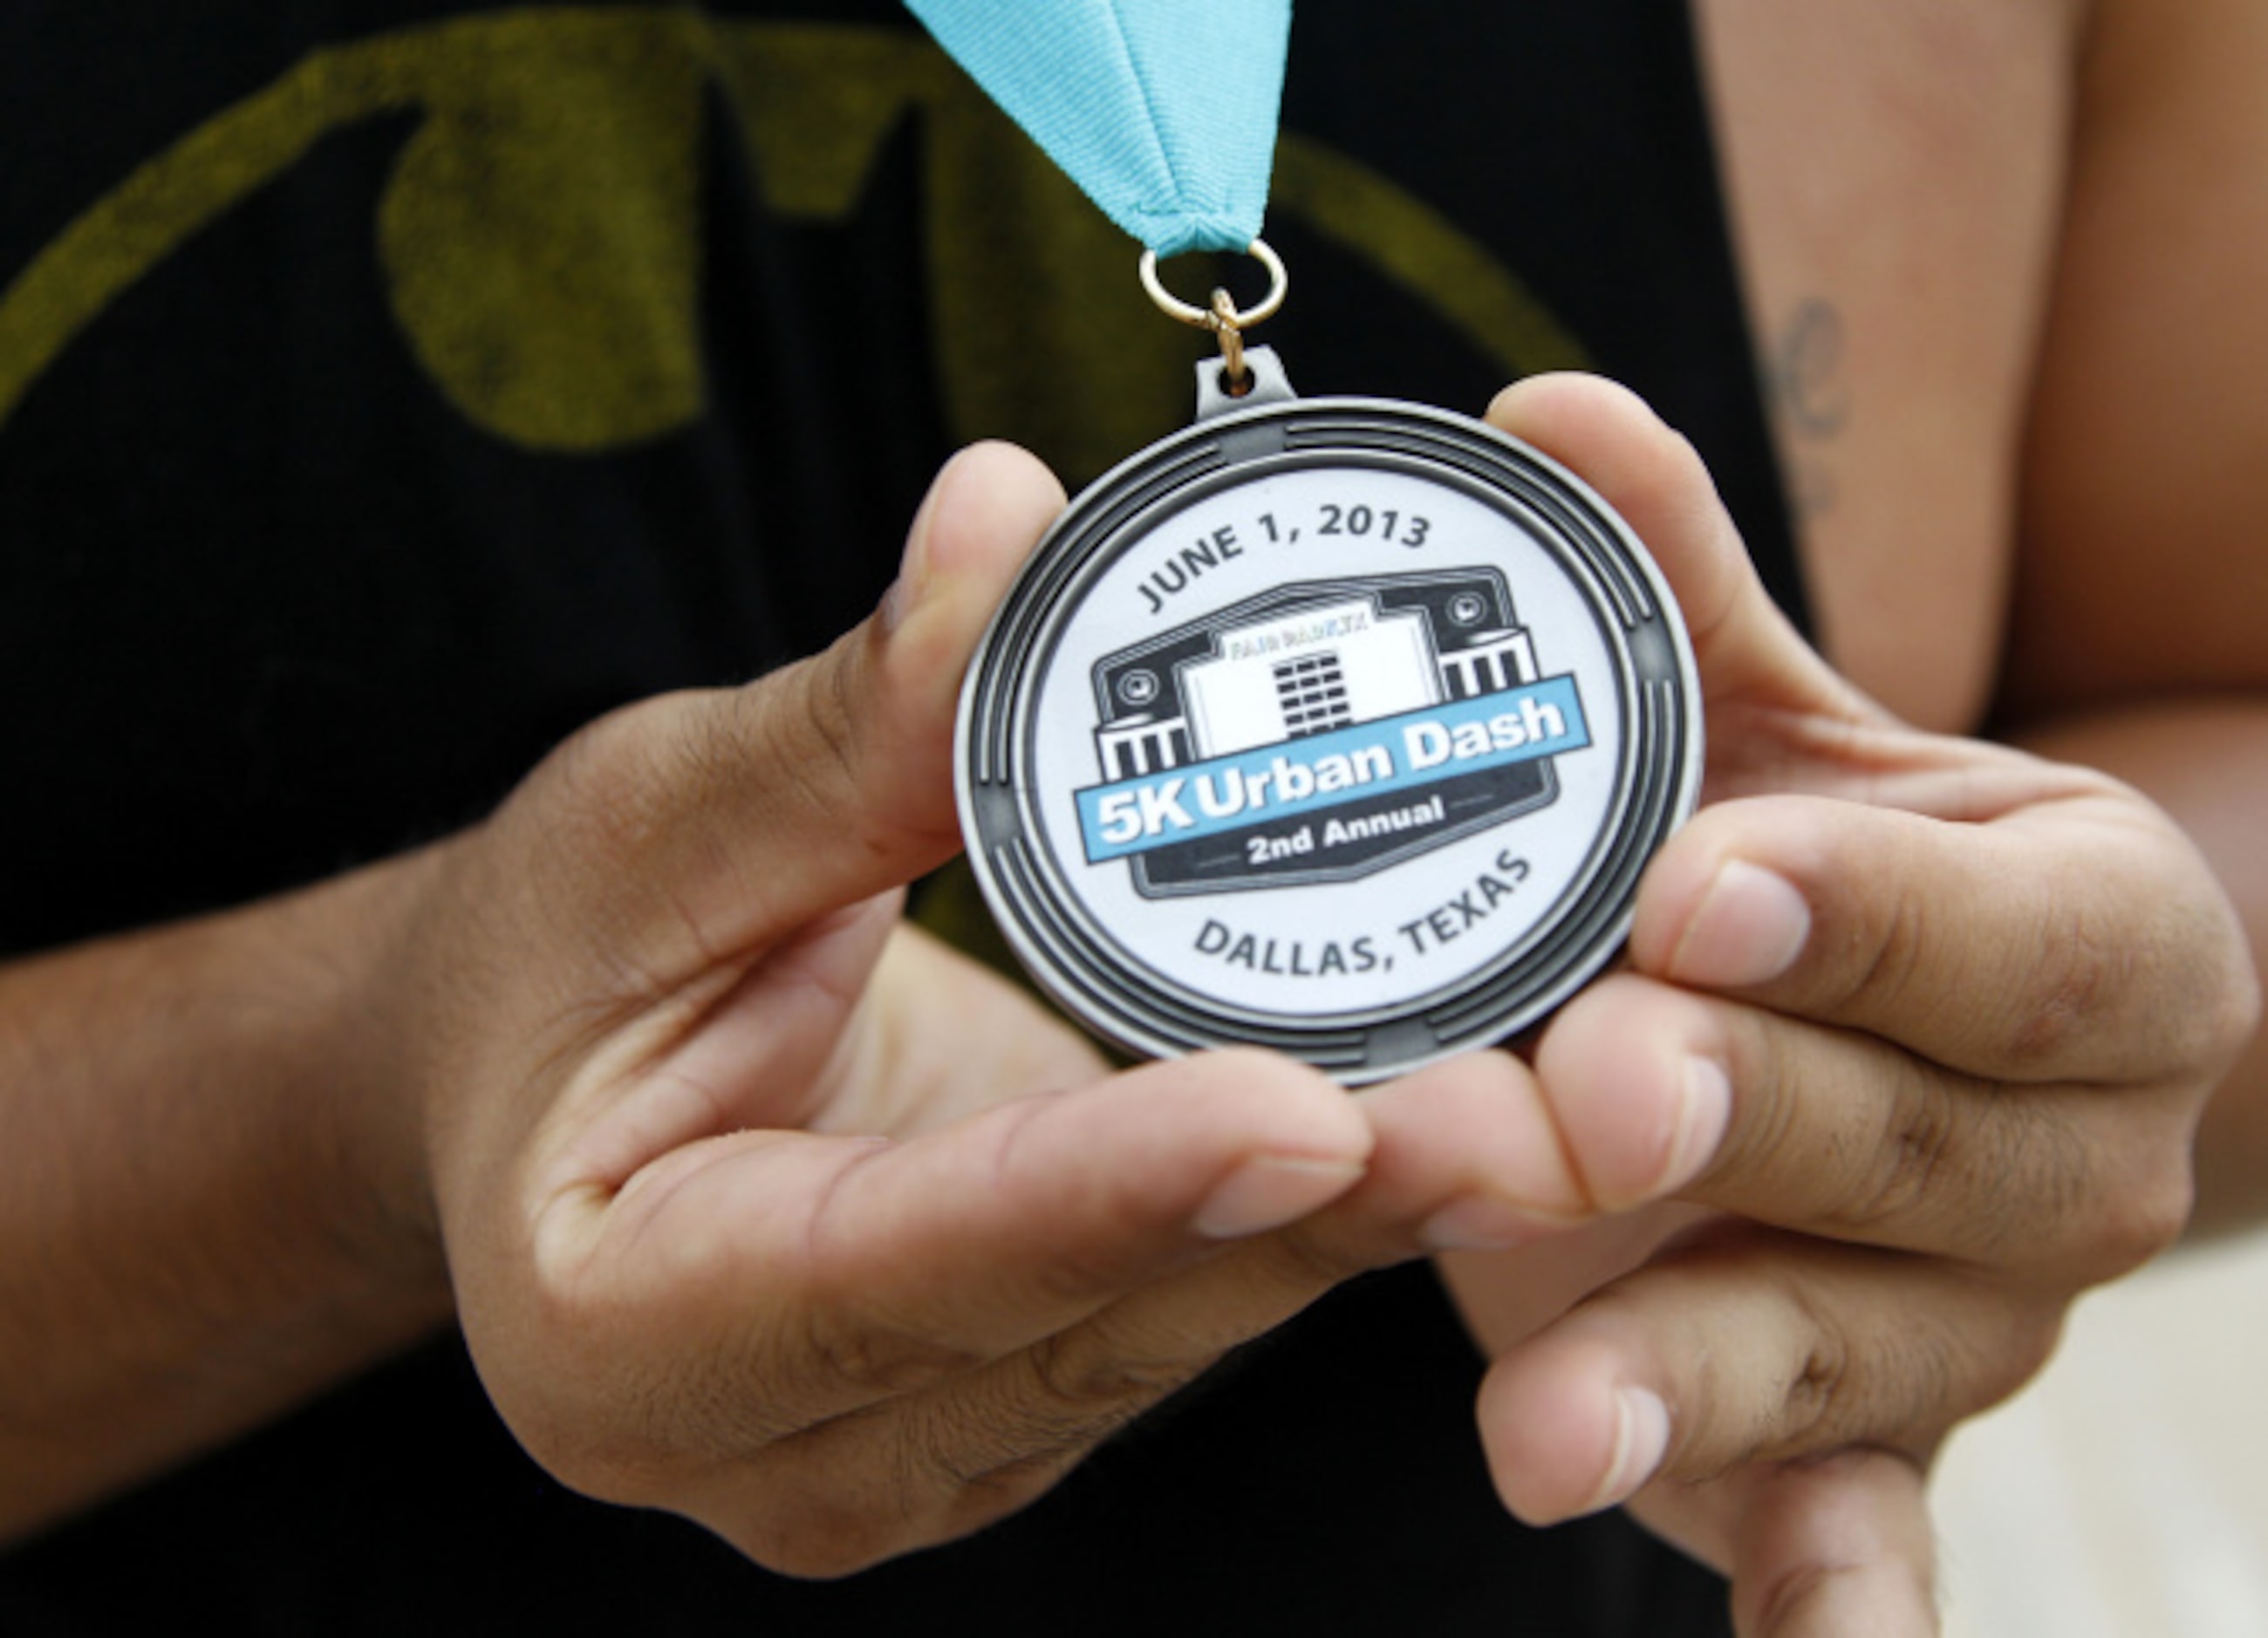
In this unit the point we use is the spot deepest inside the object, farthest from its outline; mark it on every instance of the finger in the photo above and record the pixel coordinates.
(1462, 1151)
(1838, 1548)
(1750, 1348)
(1745, 650)
(1463, 1157)
(838, 1271)
(692, 828)
(1462, 1143)
(2077, 939)
(1826, 1548)
(1657, 1092)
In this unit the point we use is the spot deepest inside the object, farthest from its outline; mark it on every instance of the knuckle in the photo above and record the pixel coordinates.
(615, 1458)
(2160, 992)
(861, 1490)
(982, 1498)
(2140, 1212)
(1992, 1341)
(2001, 1169)
(2226, 1010)
(828, 716)
(1885, 952)
(816, 1533)
(1899, 1376)
(630, 1435)
(1085, 1386)
(2028, 1341)
(962, 1463)
(1842, 1388)
(1922, 1142)
(2074, 970)
(804, 721)
(1814, 1403)
(596, 1417)
(2233, 1019)
(845, 1350)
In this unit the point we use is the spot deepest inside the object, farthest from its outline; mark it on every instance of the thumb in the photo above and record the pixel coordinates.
(708, 826)
(1747, 652)
(1836, 1545)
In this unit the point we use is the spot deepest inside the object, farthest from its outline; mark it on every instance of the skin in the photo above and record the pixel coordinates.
(1923, 1023)
(592, 1074)
(666, 1126)
(2027, 516)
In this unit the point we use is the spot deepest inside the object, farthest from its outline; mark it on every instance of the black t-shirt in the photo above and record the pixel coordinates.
(385, 390)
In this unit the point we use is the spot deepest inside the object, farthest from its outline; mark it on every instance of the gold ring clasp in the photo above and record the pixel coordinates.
(1222, 317)
(1207, 318)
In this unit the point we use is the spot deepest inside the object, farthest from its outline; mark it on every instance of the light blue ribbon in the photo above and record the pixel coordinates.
(1164, 111)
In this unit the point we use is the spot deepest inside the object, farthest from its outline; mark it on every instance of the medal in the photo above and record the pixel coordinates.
(1340, 726)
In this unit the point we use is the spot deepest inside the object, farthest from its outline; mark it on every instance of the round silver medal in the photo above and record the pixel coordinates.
(1339, 726)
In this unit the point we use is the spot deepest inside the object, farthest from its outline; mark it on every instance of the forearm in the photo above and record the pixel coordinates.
(211, 1199)
(2205, 762)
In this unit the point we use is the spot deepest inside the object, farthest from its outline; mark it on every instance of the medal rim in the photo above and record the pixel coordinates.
(1052, 927)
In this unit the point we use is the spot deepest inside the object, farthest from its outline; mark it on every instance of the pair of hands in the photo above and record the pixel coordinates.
(762, 1208)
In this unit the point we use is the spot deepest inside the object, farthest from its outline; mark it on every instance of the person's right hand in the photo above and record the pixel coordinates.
(1923, 1024)
(763, 1210)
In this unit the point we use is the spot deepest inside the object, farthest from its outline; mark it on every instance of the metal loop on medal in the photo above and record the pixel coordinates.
(1232, 343)
(1208, 318)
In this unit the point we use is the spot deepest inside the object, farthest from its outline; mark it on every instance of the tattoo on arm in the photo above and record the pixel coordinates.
(1812, 395)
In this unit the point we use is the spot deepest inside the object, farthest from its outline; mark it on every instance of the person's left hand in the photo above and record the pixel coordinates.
(1921, 1026)
(761, 1208)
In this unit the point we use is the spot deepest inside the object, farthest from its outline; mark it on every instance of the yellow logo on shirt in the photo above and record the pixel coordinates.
(540, 232)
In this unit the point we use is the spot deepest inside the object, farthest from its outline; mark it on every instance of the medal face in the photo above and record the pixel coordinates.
(1338, 726)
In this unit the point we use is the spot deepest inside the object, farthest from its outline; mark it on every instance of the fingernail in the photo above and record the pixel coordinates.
(1751, 926)
(896, 602)
(1269, 1190)
(913, 570)
(913, 563)
(1705, 1110)
(1484, 1223)
(1641, 1440)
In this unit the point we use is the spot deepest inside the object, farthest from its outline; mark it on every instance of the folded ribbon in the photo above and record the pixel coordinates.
(1163, 111)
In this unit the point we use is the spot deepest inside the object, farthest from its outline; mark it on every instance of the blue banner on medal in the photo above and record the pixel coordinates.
(1310, 774)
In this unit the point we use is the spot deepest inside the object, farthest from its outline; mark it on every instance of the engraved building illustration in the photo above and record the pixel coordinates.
(1306, 660)
(1333, 655)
